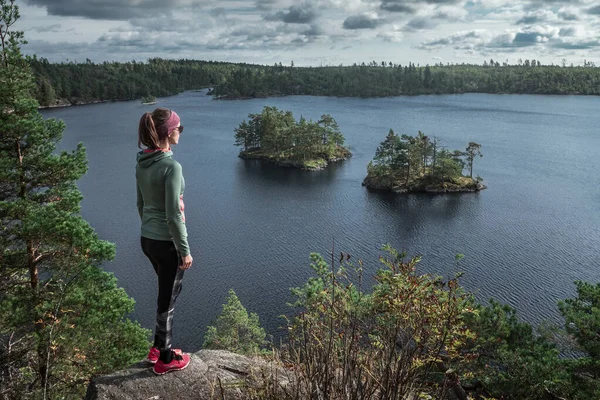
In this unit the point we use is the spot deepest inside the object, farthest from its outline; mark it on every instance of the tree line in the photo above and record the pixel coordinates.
(76, 82)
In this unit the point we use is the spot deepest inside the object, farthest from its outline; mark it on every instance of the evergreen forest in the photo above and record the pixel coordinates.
(68, 83)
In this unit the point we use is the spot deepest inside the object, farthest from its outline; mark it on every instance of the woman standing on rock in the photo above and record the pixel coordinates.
(160, 188)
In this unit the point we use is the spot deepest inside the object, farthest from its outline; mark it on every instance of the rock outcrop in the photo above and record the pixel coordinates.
(211, 374)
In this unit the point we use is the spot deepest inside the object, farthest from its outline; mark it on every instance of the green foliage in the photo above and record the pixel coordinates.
(375, 79)
(275, 135)
(420, 336)
(391, 152)
(236, 330)
(447, 166)
(70, 81)
(398, 340)
(62, 319)
(418, 163)
(582, 320)
(473, 150)
(509, 359)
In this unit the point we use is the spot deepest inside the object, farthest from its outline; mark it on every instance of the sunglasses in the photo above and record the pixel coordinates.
(180, 128)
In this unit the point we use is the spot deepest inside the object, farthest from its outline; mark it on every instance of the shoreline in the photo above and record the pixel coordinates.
(70, 103)
(61, 103)
(386, 185)
(320, 164)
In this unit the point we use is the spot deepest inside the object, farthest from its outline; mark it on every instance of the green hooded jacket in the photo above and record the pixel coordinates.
(160, 186)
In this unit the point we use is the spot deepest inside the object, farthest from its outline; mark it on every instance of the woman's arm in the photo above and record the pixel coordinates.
(140, 201)
(174, 213)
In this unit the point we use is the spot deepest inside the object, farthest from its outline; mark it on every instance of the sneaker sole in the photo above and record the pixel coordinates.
(171, 370)
(149, 361)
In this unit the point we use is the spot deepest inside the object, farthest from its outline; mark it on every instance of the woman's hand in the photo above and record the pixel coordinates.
(186, 262)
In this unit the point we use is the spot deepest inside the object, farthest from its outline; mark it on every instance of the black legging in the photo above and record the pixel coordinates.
(166, 261)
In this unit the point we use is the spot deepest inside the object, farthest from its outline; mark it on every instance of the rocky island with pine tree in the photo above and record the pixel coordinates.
(417, 164)
(275, 136)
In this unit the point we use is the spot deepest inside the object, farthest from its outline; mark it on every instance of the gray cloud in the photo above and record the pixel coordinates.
(162, 23)
(594, 10)
(590, 44)
(441, 1)
(462, 40)
(568, 16)
(546, 2)
(397, 6)
(525, 39)
(450, 14)
(412, 6)
(530, 19)
(59, 51)
(240, 29)
(218, 12)
(532, 5)
(361, 21)
(103, 9)
(265, 4)
(139, 42)
(48, 28)
(313, 30)
(420, 23)
(566, 32)
(295, 15)
(482, 41)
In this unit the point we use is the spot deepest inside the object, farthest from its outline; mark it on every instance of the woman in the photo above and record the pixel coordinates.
(160, 188)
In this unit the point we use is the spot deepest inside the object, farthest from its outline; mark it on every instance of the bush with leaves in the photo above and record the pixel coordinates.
(510, 360)
(400, 339)
(582, 319)
(236, 330)
(416, 335)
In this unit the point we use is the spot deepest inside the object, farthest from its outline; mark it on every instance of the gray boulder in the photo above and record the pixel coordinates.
(210, 374)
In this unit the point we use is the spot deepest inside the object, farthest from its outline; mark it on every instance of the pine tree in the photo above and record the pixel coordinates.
(62, 318)
(472, 151)
(235, 330)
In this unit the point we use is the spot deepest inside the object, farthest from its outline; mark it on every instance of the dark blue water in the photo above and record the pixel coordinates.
(251, 226)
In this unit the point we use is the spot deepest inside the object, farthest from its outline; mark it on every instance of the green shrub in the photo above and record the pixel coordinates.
(399, 340)
(235, 329)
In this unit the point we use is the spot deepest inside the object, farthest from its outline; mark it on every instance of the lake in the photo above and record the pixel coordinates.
(251, 227)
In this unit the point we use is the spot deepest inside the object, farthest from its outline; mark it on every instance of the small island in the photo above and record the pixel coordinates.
(275, 136)
(148, 100)
(417, 164)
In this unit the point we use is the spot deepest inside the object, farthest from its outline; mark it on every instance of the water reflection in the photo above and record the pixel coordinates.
(257, 172)
(411, 212)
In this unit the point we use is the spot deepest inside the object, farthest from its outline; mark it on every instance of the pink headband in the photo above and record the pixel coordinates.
(169, 126)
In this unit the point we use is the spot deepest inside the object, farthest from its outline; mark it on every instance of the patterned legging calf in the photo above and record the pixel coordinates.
(166, 260)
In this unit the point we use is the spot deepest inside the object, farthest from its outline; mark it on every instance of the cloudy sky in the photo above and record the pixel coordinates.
(314, 32)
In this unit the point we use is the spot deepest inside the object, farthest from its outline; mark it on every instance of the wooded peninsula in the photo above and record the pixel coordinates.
(67, 83)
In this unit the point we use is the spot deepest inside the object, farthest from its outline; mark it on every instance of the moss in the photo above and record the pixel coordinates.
(423, 184)
(288, 159)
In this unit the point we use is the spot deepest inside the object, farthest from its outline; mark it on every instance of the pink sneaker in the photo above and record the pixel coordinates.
(179, 362)
(154, 354)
